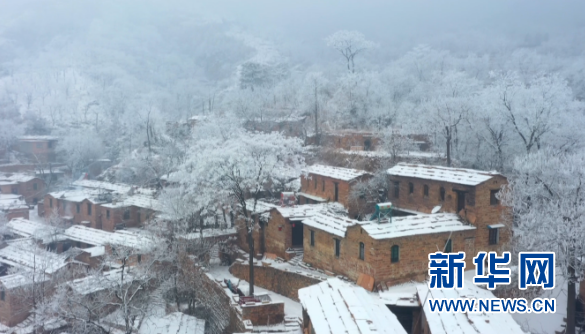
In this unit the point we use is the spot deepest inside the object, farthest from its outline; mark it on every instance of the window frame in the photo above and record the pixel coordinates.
(410, 188)
(494, 236)
(312, 238)
(494, 201)
(426, 190)
(89, 209)
(336, 247)
(362, 251)
(78, 208)
(395, 254)
(396, 189)
(442, 194)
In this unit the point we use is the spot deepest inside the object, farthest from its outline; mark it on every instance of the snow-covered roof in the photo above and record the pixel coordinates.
(469, 177)
(209, 233)
(141, 201)
(335, 307)
(312, 197)
(18, 280)
(465, 323)
(339, 173)
(330, 222)
(33, 229)
(401, 295)
(300, 211)
(26, 254)
(37, 138)
(77, 195)
(415, 225)
(173, 323)
(14, 178)
(261, 206)
(10, 201)
(95, 251)
(97, 237)
(99, 281)
(93, 184)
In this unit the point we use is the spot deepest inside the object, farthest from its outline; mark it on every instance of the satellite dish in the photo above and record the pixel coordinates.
(436, 209)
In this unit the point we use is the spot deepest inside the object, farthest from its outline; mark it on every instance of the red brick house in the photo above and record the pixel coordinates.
(38, 148)
(284, 232)
(103, 205)
(320, 183)
(391, 251)
(13, 206)
(30, 187)
(470, 193)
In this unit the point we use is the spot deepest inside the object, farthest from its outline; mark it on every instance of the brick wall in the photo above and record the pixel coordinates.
(17, 213)
(278, 234)
(478, 210)
(264, 314)
(324, 187)
(282, 282)
(413, 260)
(367, 141)
(27, 190)
(12, 309)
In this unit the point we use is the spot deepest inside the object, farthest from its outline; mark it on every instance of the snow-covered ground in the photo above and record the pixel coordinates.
(291, 307)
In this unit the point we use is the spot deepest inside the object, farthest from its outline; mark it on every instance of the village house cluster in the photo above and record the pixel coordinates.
(356, 263)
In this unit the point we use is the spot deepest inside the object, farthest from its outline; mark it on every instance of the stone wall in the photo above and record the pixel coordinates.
(261, 314)
(282, 282)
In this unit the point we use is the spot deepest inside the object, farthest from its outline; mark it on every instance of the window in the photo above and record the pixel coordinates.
(426, 191)
(362, 254)
(396, 189)
(108, 214)
(78, 208)
(315, 182)
(337, 246)
(336, 191)
(127, 214)
(312, 238)
(442, 194)
(89, 209)
(39, 145)
(50, 202)
(493, 199)
(323, 185)
(2, 295)
(14, 190)
(410, 187)
(448, 246)
(395, 254)
(139, 258)
(494, 236)
(138, 216)
(35, 186)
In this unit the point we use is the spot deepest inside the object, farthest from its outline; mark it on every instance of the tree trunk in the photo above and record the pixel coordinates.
(448, 146)
(317, 137)
(571, 302)
(251, 263)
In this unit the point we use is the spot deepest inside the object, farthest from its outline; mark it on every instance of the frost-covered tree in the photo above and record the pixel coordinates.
(349, 44)
(79, 149)
(547, 195)
(542, 112)
(240, 168)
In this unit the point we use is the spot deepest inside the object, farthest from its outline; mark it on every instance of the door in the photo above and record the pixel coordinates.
(297, 234)
(460, 200)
